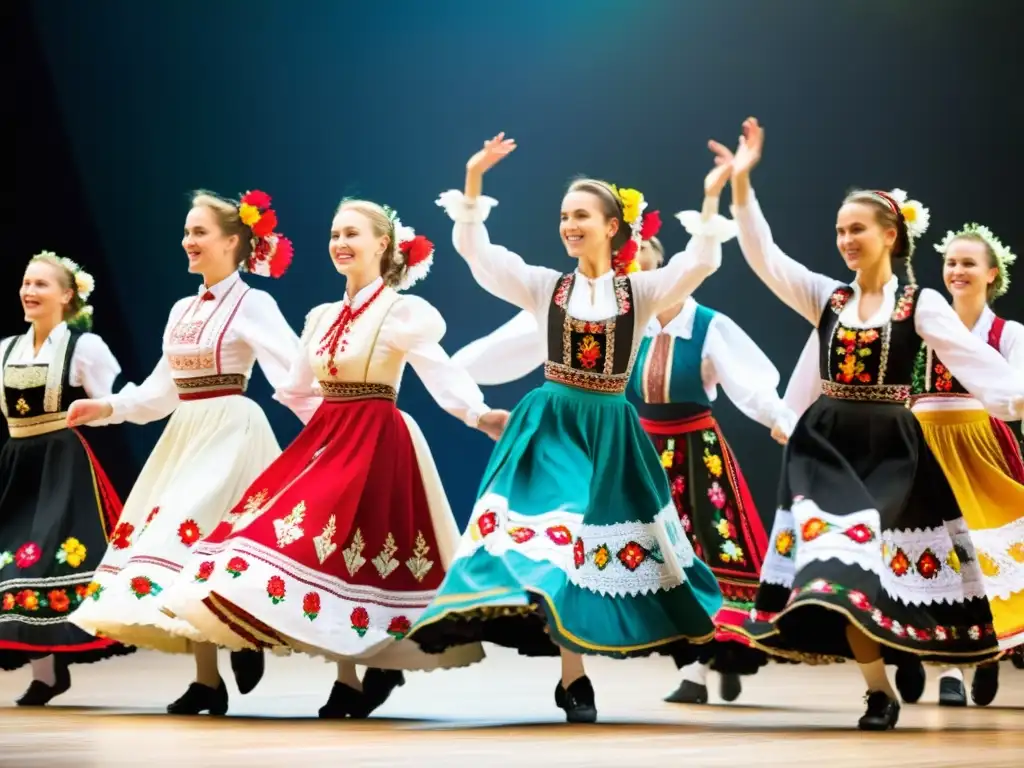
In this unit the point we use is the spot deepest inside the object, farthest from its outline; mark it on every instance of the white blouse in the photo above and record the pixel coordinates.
(246, 326)
(977, 366)
(411, 331)
(93, 365)
(730, 359)
(504, 274)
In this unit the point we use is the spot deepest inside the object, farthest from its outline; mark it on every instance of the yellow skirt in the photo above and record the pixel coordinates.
(992, 504)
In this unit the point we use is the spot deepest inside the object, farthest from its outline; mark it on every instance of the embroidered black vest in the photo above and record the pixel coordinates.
(870, 364)
(936, 379)
(34, 395)
(594, 355)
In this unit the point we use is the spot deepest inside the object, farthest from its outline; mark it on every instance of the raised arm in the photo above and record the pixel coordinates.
(802, 290)
(509, 353)
(747, 376)
(300, 390)
(982, 370)
(498, 271)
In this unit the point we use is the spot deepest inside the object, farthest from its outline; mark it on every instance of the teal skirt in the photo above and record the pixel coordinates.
(574, 541)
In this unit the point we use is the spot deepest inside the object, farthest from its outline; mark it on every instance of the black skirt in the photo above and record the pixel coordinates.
(56, 511)
(868, 532)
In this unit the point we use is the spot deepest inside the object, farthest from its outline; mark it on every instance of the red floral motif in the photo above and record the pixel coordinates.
(399, 627)
(275, 589)
(311, 605)
(143, 586)
(237, 566)
(859, 600)
(58, 600)
(905, 304)
(928, 565)
(189, 532)
(122, 538)
(27, 555)
(28, 599)
(678, 484)
(854, 346)
(8, 602)
(821, 586)
(860, 533)
(839, 298)
(205, 571)
(562, 293)
(578, 553)
(588, 352)
(943, 378)
(716, 495)
(622, 294)
(632, 555)
(900, 563)
(360, 620)
(521, 534)
(813, 528)
(560, 535)
(488, 523)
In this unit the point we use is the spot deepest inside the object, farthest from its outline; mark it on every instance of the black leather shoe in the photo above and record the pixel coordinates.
(952, 693)
(248, 667)
(882, 713)
(910, 680)
(344, 699)
(985, 685)
(577, 701)
(201, 698)
(39, 694)
(378, 685)
(730, 687)
(688, 692)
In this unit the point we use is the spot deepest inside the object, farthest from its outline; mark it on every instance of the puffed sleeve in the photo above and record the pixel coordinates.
(155, 398)
(802, 290)
(416, 328)
(659, 288)
(93, 366)
(982, 371)
(510, 352)
(746, 374)
(498, 270)
(300, 391)
(276, 347)
(804, 385)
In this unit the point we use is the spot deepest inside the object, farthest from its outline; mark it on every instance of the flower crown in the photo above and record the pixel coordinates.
(271, 251)
(412, 251)
(643, 226)
(85, 283)
(915, 216)
(1003, 255)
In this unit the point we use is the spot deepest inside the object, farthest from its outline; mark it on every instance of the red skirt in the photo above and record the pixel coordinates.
(718, 515)
(332, 551)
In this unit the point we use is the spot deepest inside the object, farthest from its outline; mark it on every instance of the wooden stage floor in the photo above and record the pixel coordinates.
(496, 715)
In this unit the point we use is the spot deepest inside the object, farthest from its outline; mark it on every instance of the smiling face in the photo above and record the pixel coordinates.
(861, 238)
(357, 244)
(585, 228)
(209, 249)
(968, 271)
(45, 292)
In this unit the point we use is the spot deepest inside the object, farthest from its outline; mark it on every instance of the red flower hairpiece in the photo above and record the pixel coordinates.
(271, 251)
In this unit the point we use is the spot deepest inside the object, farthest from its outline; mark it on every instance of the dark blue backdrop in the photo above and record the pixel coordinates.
(315, 101)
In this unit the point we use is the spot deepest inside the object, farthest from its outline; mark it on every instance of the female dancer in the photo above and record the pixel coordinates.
(574, 545)
(686, 352)
(215, 443)
(339, 545)
(979, 453)
(869, 554)
(56, 504)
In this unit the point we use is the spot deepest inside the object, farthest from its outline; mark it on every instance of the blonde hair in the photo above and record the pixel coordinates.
(75, 313)
(229, 220)
(392, 266)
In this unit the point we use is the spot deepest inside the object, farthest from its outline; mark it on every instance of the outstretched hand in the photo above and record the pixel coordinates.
(493, 423)
(83, 411)
(751, 145)
(494, 151)
(718, 177)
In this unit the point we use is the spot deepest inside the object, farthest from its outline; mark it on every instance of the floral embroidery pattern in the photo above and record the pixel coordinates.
(122, 537)
(399, 627)
(928, 564)
(784, 542)
(588, 352)
(418, 564)
(562, 292)
(360, 620)
(631, 556)
(149, 519)
(6, 558)
(904, 304)
(28, 554)
(275, 589)
(622, 295)
(143, 586)
(189, 533)
(236, 567)
(853, 347)
(943, 380)
(839, 298)
(311, 605)
(72, 552)
(205, 571)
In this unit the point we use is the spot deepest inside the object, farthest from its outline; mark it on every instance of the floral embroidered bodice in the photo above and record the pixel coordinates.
(595, 355)
(936, 378)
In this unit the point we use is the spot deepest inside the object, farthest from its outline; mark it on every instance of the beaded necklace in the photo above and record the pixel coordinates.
(334, 340)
